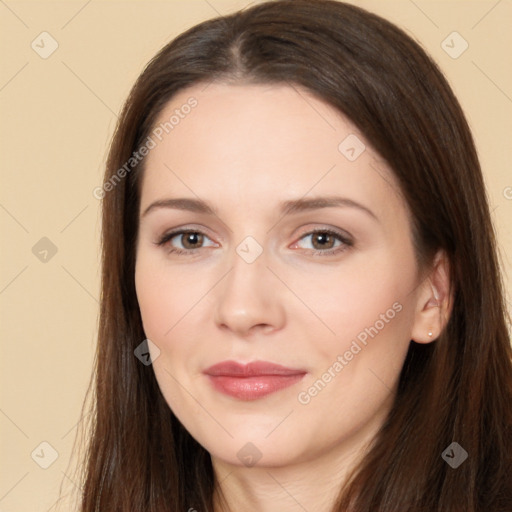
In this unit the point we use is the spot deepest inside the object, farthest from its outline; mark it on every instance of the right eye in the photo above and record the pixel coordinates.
(184, 241)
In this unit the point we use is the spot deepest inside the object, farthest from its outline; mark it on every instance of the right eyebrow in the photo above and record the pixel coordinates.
(182, 203)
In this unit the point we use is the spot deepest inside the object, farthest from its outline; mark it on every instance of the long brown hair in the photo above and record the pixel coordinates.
(455, 389)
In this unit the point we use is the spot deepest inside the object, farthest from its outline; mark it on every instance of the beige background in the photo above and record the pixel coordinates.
(58, 115)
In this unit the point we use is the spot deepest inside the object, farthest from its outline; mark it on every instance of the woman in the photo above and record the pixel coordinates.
(301, 305)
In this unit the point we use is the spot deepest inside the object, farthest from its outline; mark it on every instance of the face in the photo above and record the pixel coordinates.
(290, 246)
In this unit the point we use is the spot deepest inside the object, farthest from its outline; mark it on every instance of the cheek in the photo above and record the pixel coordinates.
(362, 298)
(154, 307)
(164, 296)
(164, 300)
(171, 306)
(357, 368)
(369, 309)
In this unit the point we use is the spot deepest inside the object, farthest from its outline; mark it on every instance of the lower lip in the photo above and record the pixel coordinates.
(252, 388)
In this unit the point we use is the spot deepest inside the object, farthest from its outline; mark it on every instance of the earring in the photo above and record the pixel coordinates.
(430, 334)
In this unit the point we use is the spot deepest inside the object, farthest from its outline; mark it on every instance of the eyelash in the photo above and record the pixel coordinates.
(346, 242)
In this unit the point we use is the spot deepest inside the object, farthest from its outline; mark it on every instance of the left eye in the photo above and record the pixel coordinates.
(324, 241)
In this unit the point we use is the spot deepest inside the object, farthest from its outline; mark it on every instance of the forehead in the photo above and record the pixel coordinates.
(242, 141)
(235, 122)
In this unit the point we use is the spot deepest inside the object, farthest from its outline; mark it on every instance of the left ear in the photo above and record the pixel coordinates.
(434, 302)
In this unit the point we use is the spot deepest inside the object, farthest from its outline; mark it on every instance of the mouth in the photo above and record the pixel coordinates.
(251, 381)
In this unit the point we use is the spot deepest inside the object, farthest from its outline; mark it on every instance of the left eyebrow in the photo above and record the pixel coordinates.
(314, 203)
(286, 208)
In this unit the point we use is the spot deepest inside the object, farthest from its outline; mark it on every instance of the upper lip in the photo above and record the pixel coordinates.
(255, 368)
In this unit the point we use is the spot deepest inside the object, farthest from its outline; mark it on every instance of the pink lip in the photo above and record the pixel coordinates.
(251, 381)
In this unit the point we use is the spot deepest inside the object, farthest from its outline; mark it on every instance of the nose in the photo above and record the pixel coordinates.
(248, 300)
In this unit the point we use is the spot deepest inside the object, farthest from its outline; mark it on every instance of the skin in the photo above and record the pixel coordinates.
(245, 149)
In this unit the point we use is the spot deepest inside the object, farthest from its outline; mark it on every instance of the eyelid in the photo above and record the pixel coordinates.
(188, 228)
(308, 230)
(344, 237)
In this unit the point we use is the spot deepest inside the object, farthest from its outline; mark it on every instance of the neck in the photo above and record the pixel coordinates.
(306, 485)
